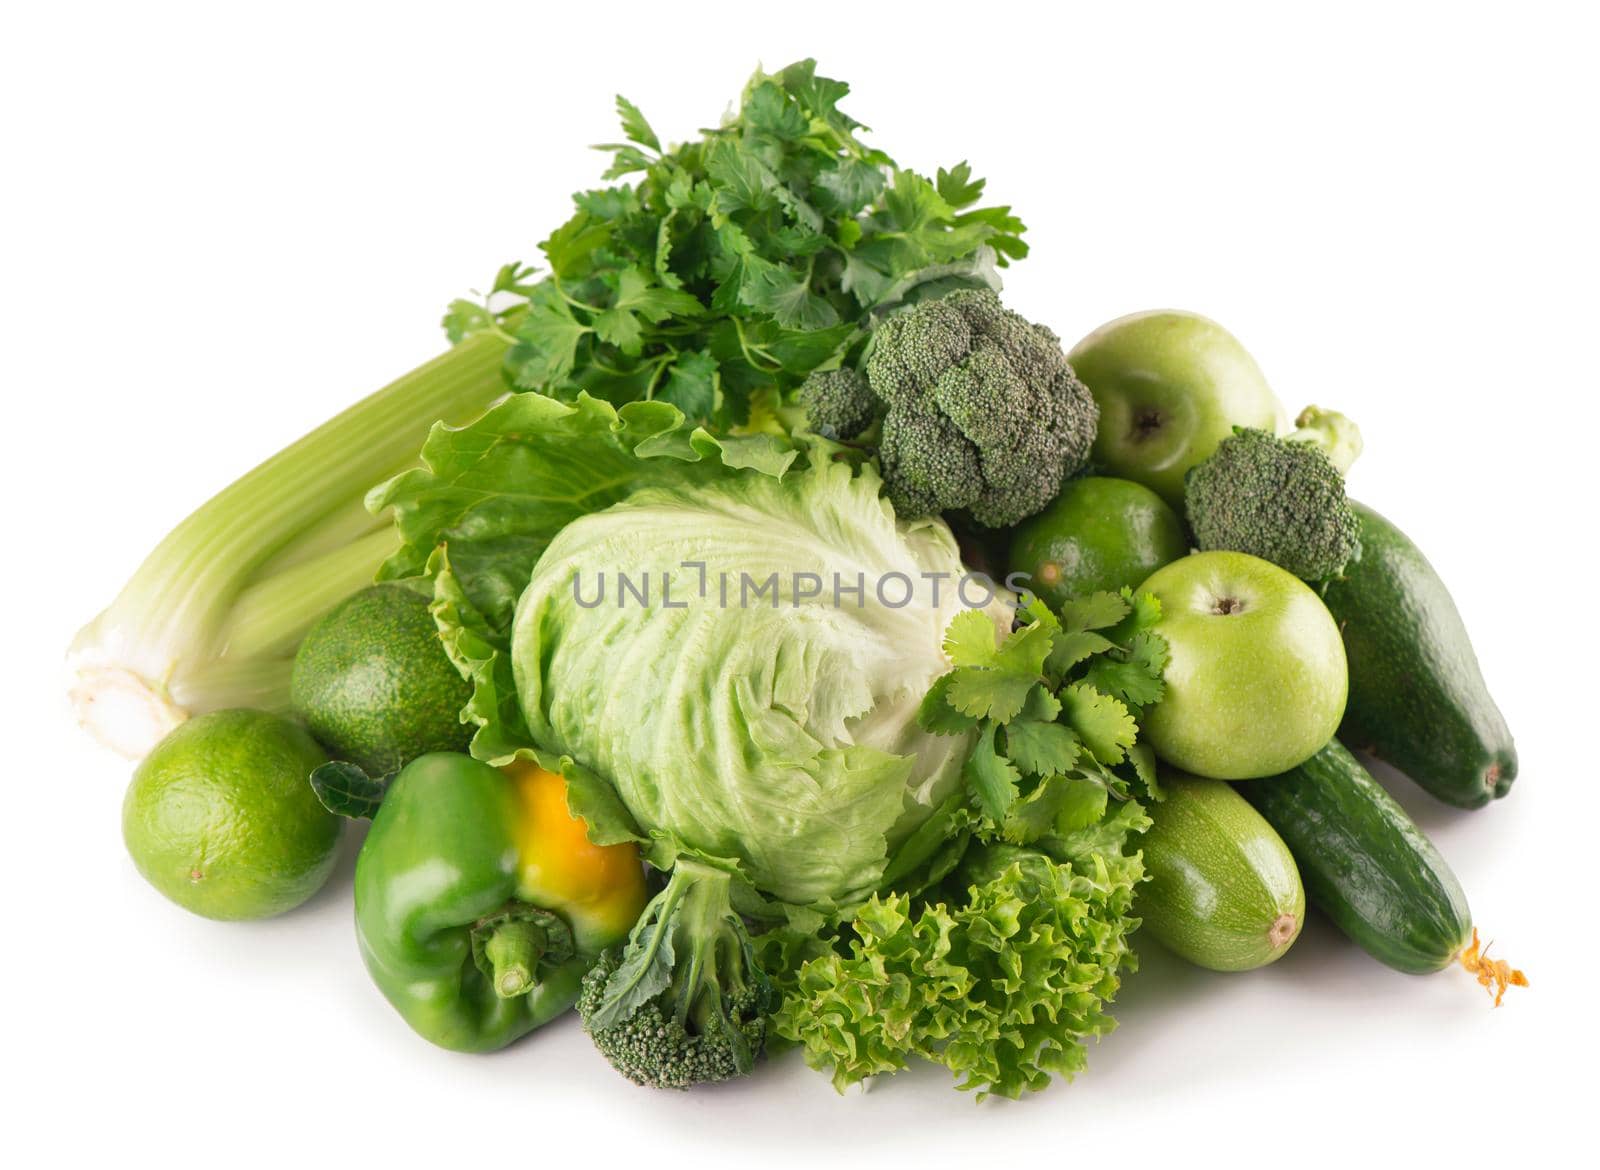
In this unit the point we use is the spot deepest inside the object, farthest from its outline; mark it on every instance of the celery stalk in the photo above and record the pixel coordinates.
(267, 616)
(350, 522)
(212, 617)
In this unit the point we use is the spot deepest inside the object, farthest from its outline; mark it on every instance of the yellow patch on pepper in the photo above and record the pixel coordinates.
(598, 889)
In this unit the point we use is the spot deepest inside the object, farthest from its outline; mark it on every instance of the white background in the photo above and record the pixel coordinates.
(224, 223)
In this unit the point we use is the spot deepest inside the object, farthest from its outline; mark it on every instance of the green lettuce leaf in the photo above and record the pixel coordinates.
(490, 496)
(498, 489)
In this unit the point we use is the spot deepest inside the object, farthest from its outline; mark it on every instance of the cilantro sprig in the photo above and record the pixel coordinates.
(1056, 706)
(735, 264)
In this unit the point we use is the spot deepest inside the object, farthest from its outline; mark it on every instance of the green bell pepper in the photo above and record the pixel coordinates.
(481, 902)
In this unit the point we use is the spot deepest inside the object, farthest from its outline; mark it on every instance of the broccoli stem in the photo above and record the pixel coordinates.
(709, 920)
(1337, 436)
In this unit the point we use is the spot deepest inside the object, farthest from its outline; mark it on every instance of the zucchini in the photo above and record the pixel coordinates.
(1365, 864)
(1417, 696)
(1223, 890)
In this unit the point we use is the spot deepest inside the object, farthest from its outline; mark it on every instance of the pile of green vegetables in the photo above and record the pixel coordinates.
(780, 642)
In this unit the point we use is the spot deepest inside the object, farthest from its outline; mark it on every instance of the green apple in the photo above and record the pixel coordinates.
(1256, 683)
(1171, 386)
(1099, 533)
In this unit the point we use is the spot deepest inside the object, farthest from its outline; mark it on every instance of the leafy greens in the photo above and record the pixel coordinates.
(736, 264)
(936, 808)
(980, 922)
(1003, 971)
(1055, 706)
(1001, 980)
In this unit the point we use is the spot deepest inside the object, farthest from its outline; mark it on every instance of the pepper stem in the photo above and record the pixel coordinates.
(513, 949)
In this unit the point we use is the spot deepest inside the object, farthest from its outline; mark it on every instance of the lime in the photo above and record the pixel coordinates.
(1099, 533)
(221, 818)
(374, 684)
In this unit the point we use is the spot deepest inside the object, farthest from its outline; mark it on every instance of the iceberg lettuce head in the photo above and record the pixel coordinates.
(743, 660)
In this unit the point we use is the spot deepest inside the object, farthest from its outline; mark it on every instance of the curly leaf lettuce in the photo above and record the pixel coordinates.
(1003, 981)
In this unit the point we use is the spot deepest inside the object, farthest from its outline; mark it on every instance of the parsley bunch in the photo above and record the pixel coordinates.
(738, 263)
(1056, 706)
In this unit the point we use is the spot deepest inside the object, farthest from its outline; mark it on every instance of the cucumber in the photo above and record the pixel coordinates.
(1223, 892)
(1365, 865)
(1417, 696)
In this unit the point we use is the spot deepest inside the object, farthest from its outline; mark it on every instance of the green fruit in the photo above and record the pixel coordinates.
(1256, 677)
(1171, 386)
(1099, 533)
(1366, 865)
(221, 818)
(374, 684)
(1417, 695)
(1223, 892)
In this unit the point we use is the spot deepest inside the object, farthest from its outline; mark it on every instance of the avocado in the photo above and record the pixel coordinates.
(374, 685)
(1417, 696)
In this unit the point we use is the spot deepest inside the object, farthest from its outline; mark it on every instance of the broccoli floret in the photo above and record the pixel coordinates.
(1281, 499)
(983, 412)
(838, 403)
(684, 1002)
